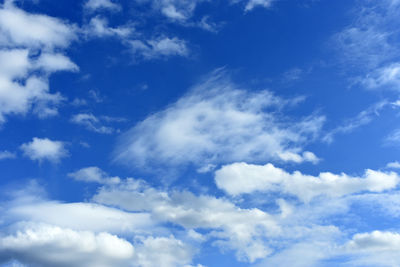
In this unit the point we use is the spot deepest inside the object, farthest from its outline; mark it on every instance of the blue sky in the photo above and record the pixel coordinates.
(199, 133)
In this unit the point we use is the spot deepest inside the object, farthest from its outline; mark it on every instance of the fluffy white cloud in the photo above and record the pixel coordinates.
(91, 123)
(19, 28)
(219, 122)
(377, 248)
(24, 82)
(46, 245)
(93, 5)
(163, 251)
(375, 241)
(94, 174)
(229, 226)
(79, 216)
(158, 48)
(44, 149)
(19, 97)
(240, 178)
(38, 231)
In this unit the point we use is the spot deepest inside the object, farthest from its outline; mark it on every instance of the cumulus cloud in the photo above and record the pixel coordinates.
(231, 227)
(24, 75)
(218, 122)
(375, 241)
(51, 233)
(163, 251)
(240, 178)
(44, 149)
(377, 248)
(19, 28)
(46, 245)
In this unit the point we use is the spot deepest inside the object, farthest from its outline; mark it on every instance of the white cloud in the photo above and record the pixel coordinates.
(55, 62)
(387, 77)
(79, 216)
(176, 10)
(230, 227)
(98, 27)
(19, 28)
(46, 245)
(240, 178)
(51, 233)
(369, 43)
(94, 174)
(92, 123)
(163, 251)
(375, 241)
(24, 76)
(393, 138)
(19, 97)
(7, 155)
(44, 149)
(94, 5)
(377, 248)
(251, 4)
(393, 165)
(158, 48)
(218, 122)
(362, 118)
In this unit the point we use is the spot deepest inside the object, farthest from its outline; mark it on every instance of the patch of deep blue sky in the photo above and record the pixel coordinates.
(263, 47)
(288, 49)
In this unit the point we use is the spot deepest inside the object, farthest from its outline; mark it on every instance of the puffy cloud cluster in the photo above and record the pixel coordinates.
(232, 227)
(241, 178)
(30, 47)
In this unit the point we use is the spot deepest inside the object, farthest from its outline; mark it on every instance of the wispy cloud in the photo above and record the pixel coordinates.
(217, 122)
(363, 118)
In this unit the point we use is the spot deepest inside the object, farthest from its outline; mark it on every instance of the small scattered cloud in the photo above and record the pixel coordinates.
(94, 174)
(158, 48)
(91, 123)
(251, 4)
(95, 95)
(7, 155)
(96, 5)
(393, 165)
(41, 149)
(98, 27)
